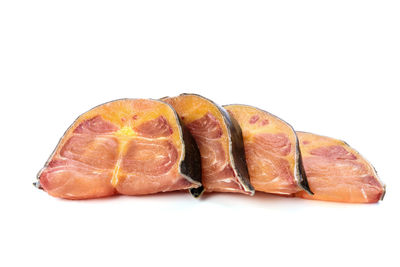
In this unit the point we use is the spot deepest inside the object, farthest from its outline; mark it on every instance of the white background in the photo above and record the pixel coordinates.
(328, 67)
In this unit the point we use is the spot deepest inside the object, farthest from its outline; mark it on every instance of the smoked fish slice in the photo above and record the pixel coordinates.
(127, 146)
(220, 142)
(272, 151)
(337, 172)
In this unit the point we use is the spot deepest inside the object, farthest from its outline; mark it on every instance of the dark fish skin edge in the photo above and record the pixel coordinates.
(191, 165)
(239, 156)
(384, 192)
(197, 192)
(303, 182)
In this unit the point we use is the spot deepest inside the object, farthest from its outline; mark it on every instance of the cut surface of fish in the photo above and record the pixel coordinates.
(336, 172)
(272, 151)
(220, 143)
(128, 146)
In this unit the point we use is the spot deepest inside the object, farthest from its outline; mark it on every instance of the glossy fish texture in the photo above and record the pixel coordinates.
(220, 143)
(272, 151)
(128, 146)
(337, 172)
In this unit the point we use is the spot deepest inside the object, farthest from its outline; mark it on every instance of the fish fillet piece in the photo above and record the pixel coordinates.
(336, 172)
(220, 143)
(128, 146)
(272, 151)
